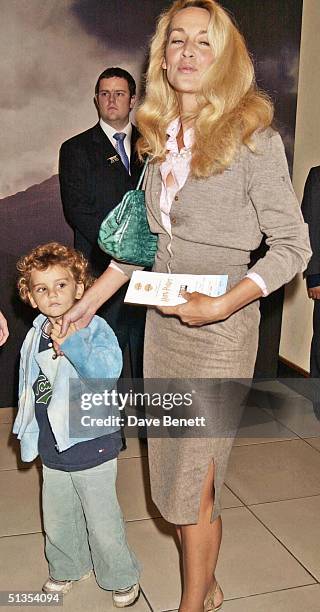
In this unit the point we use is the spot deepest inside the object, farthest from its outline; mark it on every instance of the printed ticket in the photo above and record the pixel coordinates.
(157, 289)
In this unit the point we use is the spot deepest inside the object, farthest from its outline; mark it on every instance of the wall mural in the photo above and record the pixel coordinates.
(54, 52)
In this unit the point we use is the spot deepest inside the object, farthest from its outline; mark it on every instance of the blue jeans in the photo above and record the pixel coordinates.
(84, 527)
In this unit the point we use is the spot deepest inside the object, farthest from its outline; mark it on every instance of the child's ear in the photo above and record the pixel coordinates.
(79, 291)
(164, 64)
(31, 300)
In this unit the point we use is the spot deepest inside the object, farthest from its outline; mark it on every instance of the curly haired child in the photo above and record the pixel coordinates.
(83, 522)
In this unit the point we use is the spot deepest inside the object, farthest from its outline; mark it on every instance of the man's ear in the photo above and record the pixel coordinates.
(31, 300)
(79, 291)
(96, 102)
(164, 64)
(132, 101)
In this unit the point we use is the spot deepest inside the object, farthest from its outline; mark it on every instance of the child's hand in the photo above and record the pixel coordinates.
(55, 334)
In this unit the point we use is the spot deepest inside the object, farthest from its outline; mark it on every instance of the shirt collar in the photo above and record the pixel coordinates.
(109, 130)
(39, 320)
(172, 132)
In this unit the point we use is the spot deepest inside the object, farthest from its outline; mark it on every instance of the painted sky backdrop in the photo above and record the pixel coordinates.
(55, 49)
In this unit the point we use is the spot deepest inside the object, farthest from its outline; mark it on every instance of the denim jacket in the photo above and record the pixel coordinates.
(90, 353)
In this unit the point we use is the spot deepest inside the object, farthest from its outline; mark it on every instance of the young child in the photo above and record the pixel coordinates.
(82, 519)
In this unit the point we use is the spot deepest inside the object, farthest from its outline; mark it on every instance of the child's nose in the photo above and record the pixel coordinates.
(53, 292)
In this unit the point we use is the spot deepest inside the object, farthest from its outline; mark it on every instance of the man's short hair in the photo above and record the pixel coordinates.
(121, 74)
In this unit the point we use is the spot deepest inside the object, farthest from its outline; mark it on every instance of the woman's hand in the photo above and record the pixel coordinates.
(198, 310)
(81, 313)
(201, 309)
(56, 336)
(84, 310)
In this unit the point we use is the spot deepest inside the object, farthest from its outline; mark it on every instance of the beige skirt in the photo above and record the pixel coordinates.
(224, 350)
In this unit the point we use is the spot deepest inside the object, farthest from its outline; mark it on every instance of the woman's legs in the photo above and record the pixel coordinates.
(200, 546)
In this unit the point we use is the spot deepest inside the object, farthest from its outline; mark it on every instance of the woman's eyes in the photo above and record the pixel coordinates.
(178, 41)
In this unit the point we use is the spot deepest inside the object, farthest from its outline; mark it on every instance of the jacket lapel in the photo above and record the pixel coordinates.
(107, 155)
(47, 364)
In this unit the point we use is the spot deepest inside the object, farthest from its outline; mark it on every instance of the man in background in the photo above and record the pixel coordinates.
(96, 168)
(311, 211)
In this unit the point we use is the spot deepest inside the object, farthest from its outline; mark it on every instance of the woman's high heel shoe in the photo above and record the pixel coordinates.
(209, 603)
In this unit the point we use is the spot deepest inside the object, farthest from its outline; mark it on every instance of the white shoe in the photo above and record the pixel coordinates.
(125, 597)
(62, 586)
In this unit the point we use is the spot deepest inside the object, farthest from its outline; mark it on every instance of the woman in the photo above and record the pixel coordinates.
(218, 179)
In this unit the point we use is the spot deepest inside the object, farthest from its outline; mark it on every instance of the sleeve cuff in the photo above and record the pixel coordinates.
(256, 278)
(313, 280)
(113, 265)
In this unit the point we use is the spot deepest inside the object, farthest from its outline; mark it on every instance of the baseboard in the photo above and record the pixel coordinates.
(289, 366)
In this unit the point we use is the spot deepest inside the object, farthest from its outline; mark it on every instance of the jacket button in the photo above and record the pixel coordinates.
(173, 220)
(176, 198)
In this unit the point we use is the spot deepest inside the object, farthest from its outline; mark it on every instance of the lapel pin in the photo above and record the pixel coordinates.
(113, 159)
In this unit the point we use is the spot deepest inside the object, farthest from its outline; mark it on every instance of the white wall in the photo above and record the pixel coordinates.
(297, 314)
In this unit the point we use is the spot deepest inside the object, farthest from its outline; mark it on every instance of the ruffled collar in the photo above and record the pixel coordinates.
(173, 131)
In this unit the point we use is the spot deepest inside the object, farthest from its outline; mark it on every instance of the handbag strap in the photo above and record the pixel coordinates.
(142, 174)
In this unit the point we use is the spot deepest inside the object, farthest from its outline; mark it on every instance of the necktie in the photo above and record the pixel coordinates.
(119, 137)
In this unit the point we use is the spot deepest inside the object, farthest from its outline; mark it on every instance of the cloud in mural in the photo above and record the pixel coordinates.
(132, 22)
(47, 85)
(278, 75)
(54, 52)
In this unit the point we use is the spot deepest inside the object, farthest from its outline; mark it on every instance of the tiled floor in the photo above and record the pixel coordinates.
(270, 556)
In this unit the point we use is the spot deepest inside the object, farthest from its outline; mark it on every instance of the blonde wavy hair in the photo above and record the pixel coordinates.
(52, 254)
(230, 106)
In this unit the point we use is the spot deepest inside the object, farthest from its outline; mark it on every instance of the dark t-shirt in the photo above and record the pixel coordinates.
(81, 456)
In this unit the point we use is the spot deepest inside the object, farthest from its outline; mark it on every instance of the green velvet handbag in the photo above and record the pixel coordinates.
(125, 234)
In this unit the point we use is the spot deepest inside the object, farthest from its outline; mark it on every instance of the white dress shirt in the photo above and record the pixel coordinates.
(109, 131)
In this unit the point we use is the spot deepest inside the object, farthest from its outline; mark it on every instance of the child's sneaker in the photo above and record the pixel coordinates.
(125, 597)
(62, 586)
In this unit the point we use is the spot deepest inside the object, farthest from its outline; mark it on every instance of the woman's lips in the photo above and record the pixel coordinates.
(187, 69)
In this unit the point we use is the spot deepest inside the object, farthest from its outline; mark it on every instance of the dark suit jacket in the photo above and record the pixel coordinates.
(90, 187)
(311, 211)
